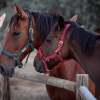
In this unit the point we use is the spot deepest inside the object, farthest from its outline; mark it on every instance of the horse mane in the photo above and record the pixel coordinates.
(84, 38)
(44, 22)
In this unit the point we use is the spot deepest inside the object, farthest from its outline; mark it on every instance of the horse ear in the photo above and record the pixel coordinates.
(20, 12)
(61, 23)
(14, 10)
(74, 18)
(2, 19)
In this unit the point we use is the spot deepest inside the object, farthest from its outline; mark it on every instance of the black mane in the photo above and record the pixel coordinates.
(44, 22)
(84, 38)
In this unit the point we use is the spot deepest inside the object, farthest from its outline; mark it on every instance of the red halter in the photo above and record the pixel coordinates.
(57, 53)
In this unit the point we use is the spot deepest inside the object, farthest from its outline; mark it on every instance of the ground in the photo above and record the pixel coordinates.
(28, 90)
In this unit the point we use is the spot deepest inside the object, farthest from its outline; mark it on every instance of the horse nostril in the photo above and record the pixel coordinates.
(1, 69)
(34, 63)
(12, 71)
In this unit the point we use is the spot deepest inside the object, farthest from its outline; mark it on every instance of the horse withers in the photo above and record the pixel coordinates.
(66, 41)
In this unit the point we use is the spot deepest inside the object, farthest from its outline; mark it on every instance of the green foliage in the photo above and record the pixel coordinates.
(3, 4)
(88, 10)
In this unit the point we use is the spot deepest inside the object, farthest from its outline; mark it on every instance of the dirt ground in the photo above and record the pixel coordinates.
(28, 90)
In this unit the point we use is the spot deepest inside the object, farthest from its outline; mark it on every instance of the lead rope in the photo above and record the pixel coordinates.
(26, 61)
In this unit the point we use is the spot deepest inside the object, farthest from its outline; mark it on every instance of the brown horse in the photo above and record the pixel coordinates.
(78, 43)
(5, 83)
(17, 37)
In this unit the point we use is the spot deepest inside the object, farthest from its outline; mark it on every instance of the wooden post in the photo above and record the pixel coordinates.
(82, 80)
(5, 88)
(86, 94)
(69, 85)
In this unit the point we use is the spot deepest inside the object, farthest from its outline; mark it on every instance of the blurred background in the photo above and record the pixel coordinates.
(88, 10)
(89, 17)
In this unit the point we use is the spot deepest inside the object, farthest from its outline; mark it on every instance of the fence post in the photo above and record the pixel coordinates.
(86, 94)
(82, 80)
(5, 88)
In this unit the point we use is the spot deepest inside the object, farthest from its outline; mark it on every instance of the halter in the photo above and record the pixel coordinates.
(29, 44)
(56, 54)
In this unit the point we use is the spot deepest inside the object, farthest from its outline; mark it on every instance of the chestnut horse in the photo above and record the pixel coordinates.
(17, 37)
(66, 41)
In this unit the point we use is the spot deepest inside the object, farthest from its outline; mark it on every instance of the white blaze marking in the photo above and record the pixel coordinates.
(8, 29)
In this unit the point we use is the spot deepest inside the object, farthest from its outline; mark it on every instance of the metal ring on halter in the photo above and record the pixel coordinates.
(16, 57)
(29, 42)
(61, 44)
(58, 53)
(43, 60)
(31, 30)
(53, 72)
(48, 60)
(47, 70)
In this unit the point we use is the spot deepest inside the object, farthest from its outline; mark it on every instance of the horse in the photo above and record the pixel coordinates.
(5, 83)
(2, 19)
(17, 37)
(67, 40)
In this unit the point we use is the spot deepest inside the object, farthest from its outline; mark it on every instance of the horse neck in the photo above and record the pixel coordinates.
(91, 64)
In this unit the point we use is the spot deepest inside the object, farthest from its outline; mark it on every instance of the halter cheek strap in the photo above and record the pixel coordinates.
(56, 54)
(29, 44)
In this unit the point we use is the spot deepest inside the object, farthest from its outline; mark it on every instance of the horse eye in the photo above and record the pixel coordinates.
(16, 33)
(48, 40)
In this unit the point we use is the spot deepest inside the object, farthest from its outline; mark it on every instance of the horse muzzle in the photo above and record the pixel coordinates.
(6, 72)
(39, 66)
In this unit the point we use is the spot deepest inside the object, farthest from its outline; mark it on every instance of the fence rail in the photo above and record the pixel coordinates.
(81, 91)
(69, 85)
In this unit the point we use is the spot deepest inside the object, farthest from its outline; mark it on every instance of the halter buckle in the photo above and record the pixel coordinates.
(60, 43)
(47, 70)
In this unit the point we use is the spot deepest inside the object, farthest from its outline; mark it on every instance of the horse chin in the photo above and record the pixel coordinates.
(42, 70)
(8, 74)
(39, 67)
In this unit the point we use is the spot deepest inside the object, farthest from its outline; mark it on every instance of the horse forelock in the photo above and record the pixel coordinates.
(44, 22)
(14, 19)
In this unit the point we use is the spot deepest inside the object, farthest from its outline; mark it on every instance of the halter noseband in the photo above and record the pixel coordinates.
(29, 44)
(56, 54)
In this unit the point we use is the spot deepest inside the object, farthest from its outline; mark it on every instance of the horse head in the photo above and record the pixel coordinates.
(54, 48)
(25, 31)
(17, 37)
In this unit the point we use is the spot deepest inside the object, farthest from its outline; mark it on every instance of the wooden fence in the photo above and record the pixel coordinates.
(80, 86)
